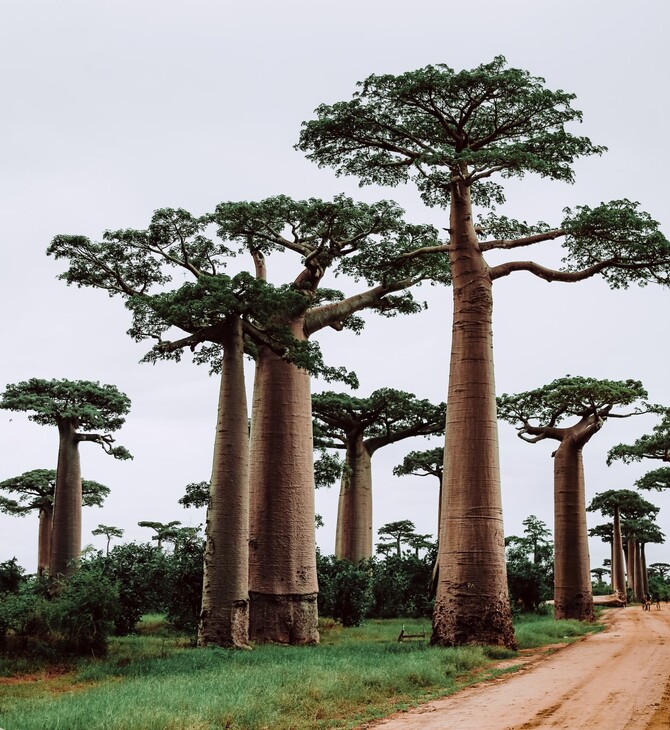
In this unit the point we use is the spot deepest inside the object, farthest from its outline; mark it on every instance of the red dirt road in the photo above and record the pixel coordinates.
(619, 678)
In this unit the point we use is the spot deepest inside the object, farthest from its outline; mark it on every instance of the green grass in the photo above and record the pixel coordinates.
(156, 682)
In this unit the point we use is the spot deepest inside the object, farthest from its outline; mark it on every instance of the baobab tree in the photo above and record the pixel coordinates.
(76, 408)
(344, 238)
(273, 324)
(360, 427)
(541, 414)
(35, 491)
(424, 463)
(452, 133)
(620, 504)
(163, 531)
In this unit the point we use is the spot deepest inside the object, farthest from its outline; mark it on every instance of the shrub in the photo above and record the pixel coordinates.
(84, 611)
(183, 579)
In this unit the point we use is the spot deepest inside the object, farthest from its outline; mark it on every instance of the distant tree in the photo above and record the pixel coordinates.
(424, 463)
(600, 587)
(76, 408)
(537, 415)
(165, 531)
(638, 533)
(451, 133)
(620, 504)
(109, 532)
(360, 427)
(661, 569)
(530, 564)
(395, 534)
(35, 490)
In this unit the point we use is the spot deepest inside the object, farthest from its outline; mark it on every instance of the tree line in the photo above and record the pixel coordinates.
(455, 136)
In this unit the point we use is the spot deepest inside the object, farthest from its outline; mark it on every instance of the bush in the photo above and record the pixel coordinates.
(84, 611)
(183, 578)
(402, 587)
(11, 576)
(139, 571)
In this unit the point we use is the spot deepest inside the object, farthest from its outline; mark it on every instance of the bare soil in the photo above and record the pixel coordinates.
(616, 679)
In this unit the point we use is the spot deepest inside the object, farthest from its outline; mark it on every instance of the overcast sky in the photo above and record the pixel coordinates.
(111, 110)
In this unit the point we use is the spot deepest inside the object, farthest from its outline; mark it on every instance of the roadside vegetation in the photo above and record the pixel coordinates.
(156, 679)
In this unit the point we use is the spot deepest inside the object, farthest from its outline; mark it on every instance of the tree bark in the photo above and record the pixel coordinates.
(66, 528)
(472, 604)
(573, 594)
(282, 551)
(44, 540)
(353, 538)
(618, 573)
(224, 618)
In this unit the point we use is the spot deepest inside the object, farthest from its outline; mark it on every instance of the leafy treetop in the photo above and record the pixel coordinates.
(35, 490)
(447, 131)
(422, 463)
(656, 479)
(631, 505)
(385, 417)
(83, 404)
(655, 445)
(539, 412)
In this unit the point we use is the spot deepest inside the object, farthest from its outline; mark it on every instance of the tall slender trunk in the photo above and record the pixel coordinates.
(353, 538)
(282, 550)
(44, 539)
(643, 570)
(573, 594)
(224, 618)
(639, 575)
(618, 574)
(66, 527)
(472, 604)
(631, 559)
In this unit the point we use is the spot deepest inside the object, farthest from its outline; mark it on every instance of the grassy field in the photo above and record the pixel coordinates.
(156, 681)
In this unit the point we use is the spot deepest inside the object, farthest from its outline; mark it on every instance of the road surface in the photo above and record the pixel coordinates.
(616, 679)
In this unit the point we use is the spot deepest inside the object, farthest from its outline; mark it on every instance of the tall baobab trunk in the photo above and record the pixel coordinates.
(472, 604)
(618, 574)
(44, 540)
(224, 619)
(573, 593)
(639, 573)
(282, 550)
(643, 570)
(66, 527)
(631, 559)
(353, 538)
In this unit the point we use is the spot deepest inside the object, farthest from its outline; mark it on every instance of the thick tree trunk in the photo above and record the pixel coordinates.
(573, 594)
(282, 551)
(643, 570)
(472, 604)
(618, 574)
(66, 528)
(353, 538)
(224, 618)
(44, 540)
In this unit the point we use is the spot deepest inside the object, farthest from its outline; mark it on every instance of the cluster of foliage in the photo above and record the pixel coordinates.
(107, 596)
(392, 587)
(78, 619)
(530, 566)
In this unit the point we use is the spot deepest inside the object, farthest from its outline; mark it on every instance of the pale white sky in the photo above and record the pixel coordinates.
(113, 109)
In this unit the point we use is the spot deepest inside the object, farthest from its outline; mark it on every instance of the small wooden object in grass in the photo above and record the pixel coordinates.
(404, 635)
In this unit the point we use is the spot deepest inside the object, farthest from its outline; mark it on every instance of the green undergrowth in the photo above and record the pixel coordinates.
(156, 681)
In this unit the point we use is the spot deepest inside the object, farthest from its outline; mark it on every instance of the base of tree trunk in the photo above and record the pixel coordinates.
(230, 628)
(579, 607)
(484, 623)
(284, 619)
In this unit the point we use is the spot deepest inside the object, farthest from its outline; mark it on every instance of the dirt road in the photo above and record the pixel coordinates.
(619, 678)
